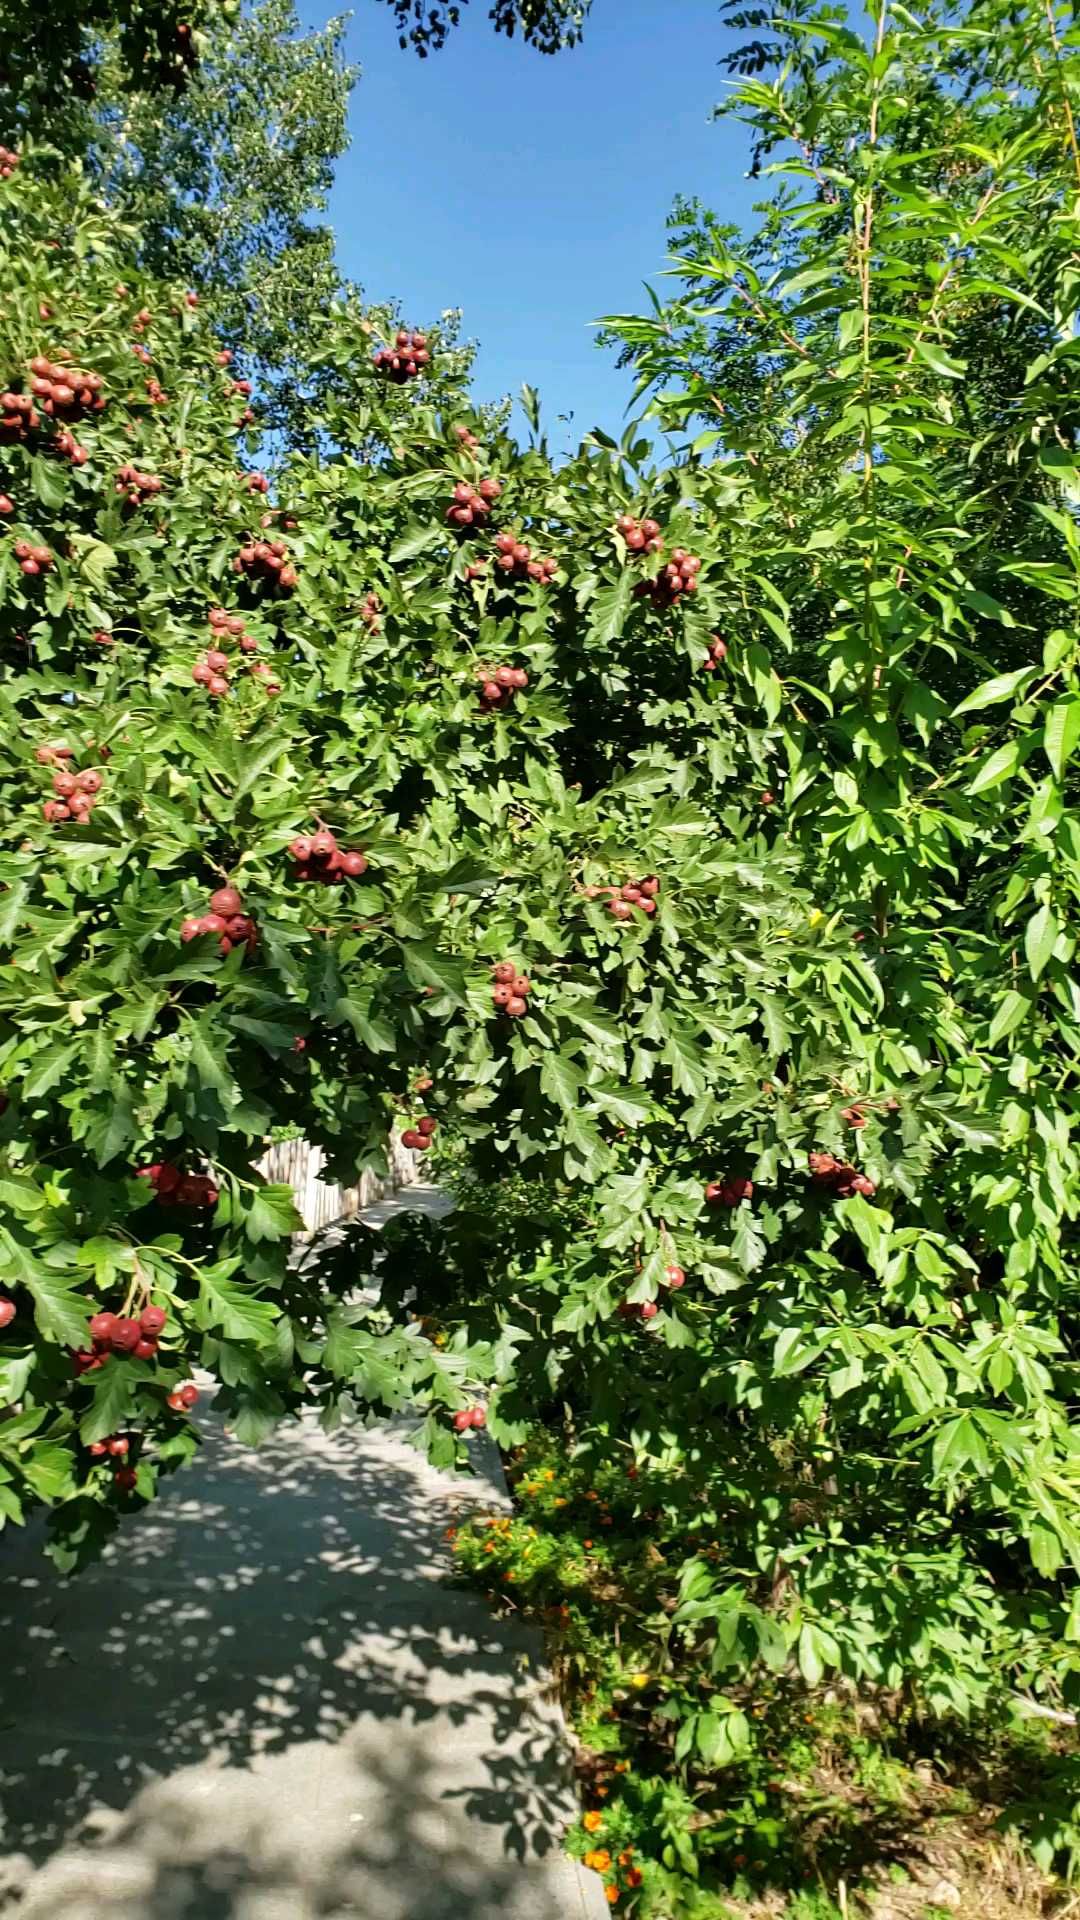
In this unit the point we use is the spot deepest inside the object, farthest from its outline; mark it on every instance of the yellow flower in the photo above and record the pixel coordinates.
(592, 1821)
(560, 1502)
(532, 1487)
(440, 1339)
(599, 1860)
(815, 915)
(640, 1679)
(550, 1474)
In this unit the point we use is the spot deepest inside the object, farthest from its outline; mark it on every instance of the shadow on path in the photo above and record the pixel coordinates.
(264, 1705)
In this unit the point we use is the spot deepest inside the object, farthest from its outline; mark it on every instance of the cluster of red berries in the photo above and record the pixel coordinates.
(717, 652)
(113, 1333)
(267, 560)
(68, 448)
(420, 1136)
(256, 482)
(641, 536)
(471, 505)
(318, 857)
(729, 1192)
(33, 560)
(175, 1188)
(135, 486)
(76, 795)
(678, 577)
(65, 392)
(405, 359)
(142, 319)
(212, 672)
(516, 559)
(511, 990)
(467, 437)
(182, 1399)
(227, 920)
(499, 686)
(370, 609)
(117, 1447)
(18, 417)
(840, 1176)
(468, 1417)
(228, 627)
(9, 160)
(621, 901)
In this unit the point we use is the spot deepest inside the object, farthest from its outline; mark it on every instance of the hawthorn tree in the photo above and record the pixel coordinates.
(762, 979)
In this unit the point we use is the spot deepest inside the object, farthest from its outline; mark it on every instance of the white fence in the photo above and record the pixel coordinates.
(296, 1164)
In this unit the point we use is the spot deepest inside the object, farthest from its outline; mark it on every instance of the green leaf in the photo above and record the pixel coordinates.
(628, 1105)
(427, 967)
(1061, 733)
(561, 1081)
(1014, 1008)
(270, 1214)
(992, 692)
(1040, 937)
(234, 1308)
(998, 766)
(610, 607)
(114, 1397)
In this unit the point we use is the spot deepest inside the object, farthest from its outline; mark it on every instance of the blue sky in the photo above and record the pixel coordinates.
(529, 191)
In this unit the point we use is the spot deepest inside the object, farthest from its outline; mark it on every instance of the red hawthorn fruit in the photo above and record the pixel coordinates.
(144, 1349)
(648, 1310)
(516, 1006)
(621, 909)
(504, 972)
(96, 1449)
(226, 901)
(428, 1125)
(353, 864)
(463, 1420)
(301, 848)
(152, 1319)
(118, 1446)
(217, 685)
(323, 844)
(502, 995)
(189, 1394)
(768, 798)
(479, 1417)
(126, 1479)
(7, 1311)
(674, 1277)
(103, 1326)
(126, 1335)
(299, 1045)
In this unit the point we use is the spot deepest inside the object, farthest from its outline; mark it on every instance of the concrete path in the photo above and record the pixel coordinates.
(265, 1704)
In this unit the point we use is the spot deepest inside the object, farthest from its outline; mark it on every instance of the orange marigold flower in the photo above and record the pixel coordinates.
(593, 1820)
(625, 1857)
(601, 1860)
(560, 1502)
(586, 1543)
(592, 1496)
(622, 1766)
(489, 1546)
(634, 1877)
(611, 1894)
(450, 1534)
